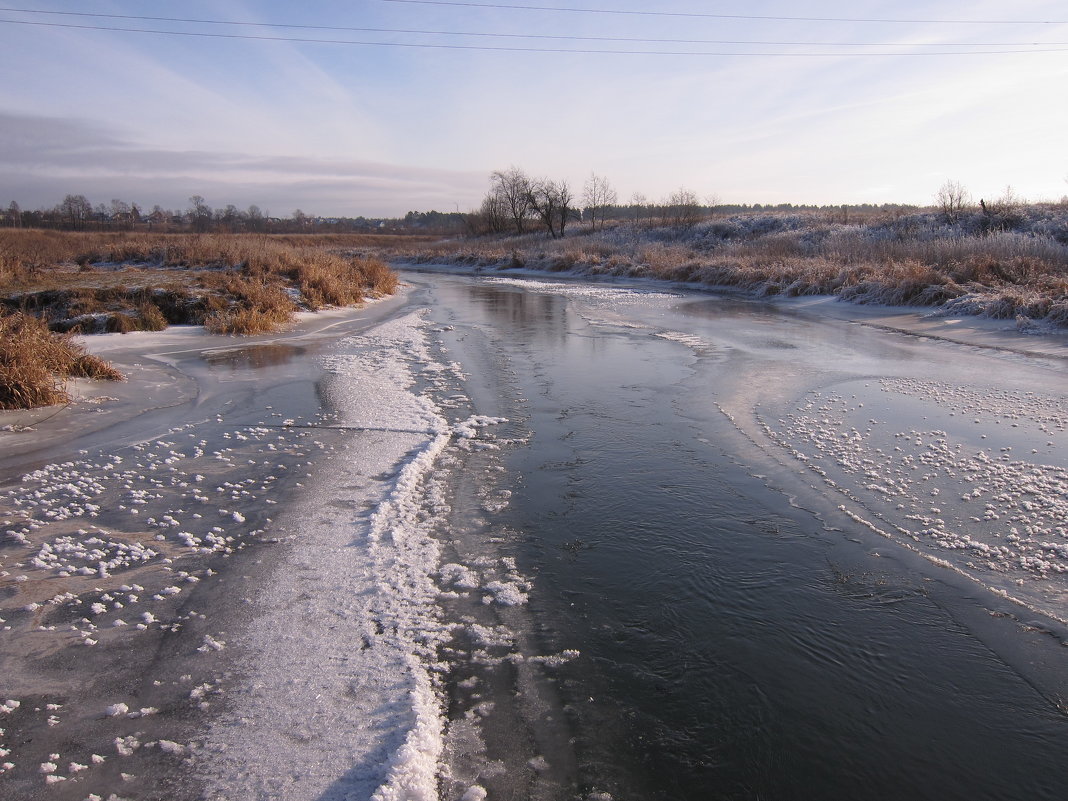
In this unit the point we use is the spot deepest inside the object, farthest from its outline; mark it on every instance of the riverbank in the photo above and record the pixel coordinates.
(967, 329)
(1007, 264)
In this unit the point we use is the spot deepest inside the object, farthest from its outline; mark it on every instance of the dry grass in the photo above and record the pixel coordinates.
(95, 282)
(970, 267)
(116, 282)
(33, 360)
(24, 252)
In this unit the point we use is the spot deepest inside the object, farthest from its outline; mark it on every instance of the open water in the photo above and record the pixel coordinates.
(749, 626)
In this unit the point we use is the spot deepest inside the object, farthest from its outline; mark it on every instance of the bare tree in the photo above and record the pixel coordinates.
(564, 201)
(15, 214)
(1006, 212)
(952, 199)
(1009, 202)
(492, 217)
(597, 194)
(551, 201)
(76, 209)
(638, 201)
(256, 220)
(683, 208)
(199, 214)
(514, 187)
(229, 217)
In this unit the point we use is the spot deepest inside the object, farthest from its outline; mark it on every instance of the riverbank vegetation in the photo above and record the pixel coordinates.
(1003, 258)
(54, 284)
(35, 361)
(94, 283)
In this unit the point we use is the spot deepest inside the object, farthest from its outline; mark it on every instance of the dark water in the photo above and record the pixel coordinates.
(734, 643)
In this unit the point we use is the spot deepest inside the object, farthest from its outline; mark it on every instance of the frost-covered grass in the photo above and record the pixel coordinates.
(234, 284)
(1005, 266)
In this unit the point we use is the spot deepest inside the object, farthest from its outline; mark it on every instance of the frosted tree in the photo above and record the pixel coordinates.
(597, 195)
(953, 199)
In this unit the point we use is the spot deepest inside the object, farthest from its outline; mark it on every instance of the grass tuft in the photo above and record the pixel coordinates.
(33, 360)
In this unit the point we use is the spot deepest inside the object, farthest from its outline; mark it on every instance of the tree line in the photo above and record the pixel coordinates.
(516, 203)
(77, 213)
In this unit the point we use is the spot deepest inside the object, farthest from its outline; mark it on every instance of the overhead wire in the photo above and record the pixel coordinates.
(492, 34)
(710, 15)
(1008, 47)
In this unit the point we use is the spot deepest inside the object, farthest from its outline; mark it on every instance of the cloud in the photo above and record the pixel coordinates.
(44, 158)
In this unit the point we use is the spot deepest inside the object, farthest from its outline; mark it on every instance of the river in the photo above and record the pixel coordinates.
(726, 508)
(526, 538)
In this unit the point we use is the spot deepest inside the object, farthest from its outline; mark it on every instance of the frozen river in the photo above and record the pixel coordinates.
(784, 545)
(554, 540)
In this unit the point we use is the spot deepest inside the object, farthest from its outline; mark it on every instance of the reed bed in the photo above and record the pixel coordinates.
(105, 282)
(34, 362)
(77, 282)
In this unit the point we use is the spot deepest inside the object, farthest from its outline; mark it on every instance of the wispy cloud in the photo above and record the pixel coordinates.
(379, 130)
(44, 158)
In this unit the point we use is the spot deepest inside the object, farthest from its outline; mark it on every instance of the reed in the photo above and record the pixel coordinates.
(34, 361)
(78, 282)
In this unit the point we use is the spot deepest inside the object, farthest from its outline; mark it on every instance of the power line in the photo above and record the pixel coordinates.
(551, 37)
(705, 15)
(512, 49)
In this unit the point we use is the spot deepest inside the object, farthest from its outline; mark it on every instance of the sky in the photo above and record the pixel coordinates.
(411, 104)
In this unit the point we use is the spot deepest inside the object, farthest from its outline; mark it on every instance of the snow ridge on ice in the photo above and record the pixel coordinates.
(345, 698)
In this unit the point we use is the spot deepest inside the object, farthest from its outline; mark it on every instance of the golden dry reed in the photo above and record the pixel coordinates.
(35, 361)
(117, 282)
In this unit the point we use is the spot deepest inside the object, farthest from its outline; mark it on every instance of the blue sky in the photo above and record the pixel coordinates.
(846, 111)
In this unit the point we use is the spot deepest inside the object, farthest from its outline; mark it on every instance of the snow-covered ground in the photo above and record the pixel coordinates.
(343, 698)
(312, 665)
